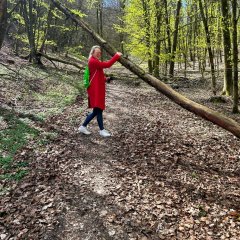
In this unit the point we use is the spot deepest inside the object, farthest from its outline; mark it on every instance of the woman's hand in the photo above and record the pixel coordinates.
(119, 54)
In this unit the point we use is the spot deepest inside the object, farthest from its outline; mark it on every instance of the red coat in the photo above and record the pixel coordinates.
(97, 89)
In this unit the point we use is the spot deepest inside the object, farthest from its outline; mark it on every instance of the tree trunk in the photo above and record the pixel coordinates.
(228, 84)
(49, 19)
(209, 48)
(191, 21)
(158, 43)
(235, 56)
(100, 18)
(3, 20)
(54, 59)
(28, 18)
(147, 28)
(169, 44)
(121, 23)
(195, 27)
(200, 110)
(175, 38)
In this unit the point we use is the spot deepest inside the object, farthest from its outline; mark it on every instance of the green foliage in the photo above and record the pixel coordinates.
(58, 97)
(5, 162)
(16, 136)
(47, 137)
(140, 29)
(20, 37)
(57, 14)
(137, 28)
(3, 191)
(202, 212)
(61, 91)
(17, 176)
(92, 3)
(76, 51)
(12, 140)
(77, 13)
(194, 175)
(49, 25)
(50, 43)
(17, 17)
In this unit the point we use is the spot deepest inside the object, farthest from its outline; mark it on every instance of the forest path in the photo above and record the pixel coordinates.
(164, 174)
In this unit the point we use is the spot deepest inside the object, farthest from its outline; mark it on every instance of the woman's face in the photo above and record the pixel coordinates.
(97, 53)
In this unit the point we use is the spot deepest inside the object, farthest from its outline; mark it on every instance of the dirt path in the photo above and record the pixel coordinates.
(164, 174)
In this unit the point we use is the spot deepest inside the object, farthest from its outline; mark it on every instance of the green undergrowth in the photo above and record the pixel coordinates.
(12, 139)
(61, 90)
(47, 92)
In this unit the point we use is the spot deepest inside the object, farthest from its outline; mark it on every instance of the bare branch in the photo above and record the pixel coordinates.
(60, 60)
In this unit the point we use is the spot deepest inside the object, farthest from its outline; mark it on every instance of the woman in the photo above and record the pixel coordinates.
(97, 89)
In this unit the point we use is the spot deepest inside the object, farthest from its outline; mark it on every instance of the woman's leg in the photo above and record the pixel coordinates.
(100, 118)
(103, 132)
(90, 117)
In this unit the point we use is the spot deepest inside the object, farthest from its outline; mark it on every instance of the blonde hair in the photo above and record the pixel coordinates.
(92, 50)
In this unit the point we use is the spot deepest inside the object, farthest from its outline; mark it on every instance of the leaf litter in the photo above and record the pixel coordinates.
(164, 174)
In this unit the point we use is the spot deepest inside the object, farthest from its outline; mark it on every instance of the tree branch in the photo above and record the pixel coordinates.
(60, 60)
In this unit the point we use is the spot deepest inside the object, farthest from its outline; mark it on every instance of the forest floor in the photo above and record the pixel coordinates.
(164, 174)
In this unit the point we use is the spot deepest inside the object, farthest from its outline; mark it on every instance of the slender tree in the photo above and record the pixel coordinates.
(100, 17)
(209, 48)
(175, 38)
(27, 7)
(3, 20)
(235, 55)
(122, 4)
(168, 32)
(146, 11)
(47, 27)
(157, 48)
(228, 83)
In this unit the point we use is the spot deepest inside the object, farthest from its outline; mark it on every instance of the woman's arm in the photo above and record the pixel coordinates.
(106, 64)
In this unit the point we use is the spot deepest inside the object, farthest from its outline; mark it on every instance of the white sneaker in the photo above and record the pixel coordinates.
(104, 133)
(84, 130)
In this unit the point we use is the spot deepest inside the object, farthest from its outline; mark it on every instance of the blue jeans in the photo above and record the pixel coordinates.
(96, 112)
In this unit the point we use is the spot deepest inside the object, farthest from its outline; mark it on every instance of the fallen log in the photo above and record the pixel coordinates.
(200, 110)
(73, 58)
(50, 58)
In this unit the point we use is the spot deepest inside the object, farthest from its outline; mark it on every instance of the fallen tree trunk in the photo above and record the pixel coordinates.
(60, 60)
(200, 110)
